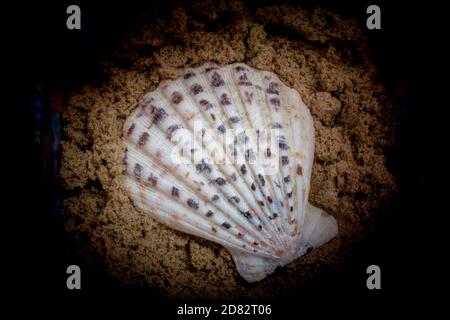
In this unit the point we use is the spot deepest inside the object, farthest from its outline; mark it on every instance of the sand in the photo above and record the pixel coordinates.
(320, 54)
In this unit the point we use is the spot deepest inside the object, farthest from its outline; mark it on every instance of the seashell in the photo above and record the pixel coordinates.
(226, 153)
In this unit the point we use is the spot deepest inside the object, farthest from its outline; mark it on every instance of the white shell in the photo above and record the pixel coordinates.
(256, 207)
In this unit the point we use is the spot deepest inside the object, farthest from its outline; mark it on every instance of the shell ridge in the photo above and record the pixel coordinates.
(228, 192)
(254, 124)
(255, 168)
(255, 234)
(216, 101)
(275, 117)
(180, 223)
(183, 195)
(265, 115)
(286, 163)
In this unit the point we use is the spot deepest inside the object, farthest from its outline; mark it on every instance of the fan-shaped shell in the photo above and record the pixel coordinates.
(226, 153)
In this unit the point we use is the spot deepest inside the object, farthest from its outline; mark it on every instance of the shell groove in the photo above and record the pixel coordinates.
(226, 153)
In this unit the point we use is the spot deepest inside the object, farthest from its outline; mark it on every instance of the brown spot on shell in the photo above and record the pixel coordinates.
(243, 80)
(275, 101)
(234, 120)
(176, 97)
(189, 75)
(216, 79)
(283, 146)
(246, 214)
(249, 155)
(272, 88)
(226, 225)
(202, 167)
(171, 130)
(220, 181)
(158, 114)
(131, 129)
(153, 180)
(125, 157)
(243, 76)
(277, 125)
(225, 100)
(235, 199)
(143, 138)
(196, 88)
(192, 203)
(137, 170)
(146, 100)
(209, 214)
(221, 128)
(240, 68)
(299, 170)
(175, 192)
(261, 179)
(205, 104)
(210, 69)
(248, 96)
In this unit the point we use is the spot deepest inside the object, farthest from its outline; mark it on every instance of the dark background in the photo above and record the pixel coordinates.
(43, 52)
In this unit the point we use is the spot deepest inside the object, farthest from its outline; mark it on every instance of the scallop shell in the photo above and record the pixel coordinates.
(226, 153)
